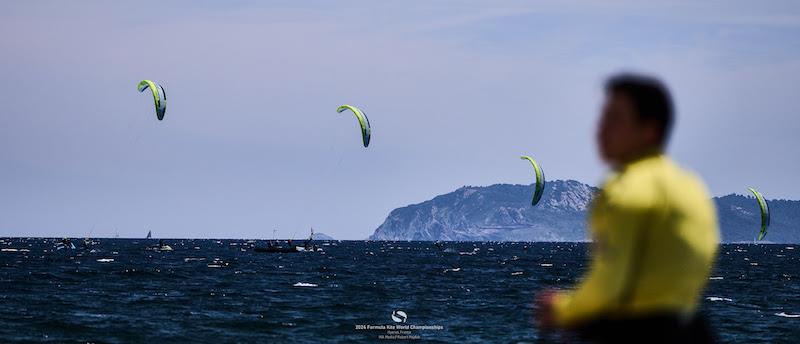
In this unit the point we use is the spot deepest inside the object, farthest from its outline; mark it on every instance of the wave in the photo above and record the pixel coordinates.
(304, 284)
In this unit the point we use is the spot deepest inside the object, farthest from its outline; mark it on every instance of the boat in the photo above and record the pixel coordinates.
(160, 247)
(274, 247)
(65, 244)
(88, 242)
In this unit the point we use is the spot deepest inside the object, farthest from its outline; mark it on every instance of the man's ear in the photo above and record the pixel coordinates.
(652, 132)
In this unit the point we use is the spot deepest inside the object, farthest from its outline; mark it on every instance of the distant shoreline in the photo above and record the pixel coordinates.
(367, 240)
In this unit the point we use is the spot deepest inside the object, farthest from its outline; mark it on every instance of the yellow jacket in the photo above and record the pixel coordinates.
(655, 237)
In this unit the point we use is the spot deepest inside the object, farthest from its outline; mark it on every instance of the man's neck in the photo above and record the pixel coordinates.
(639, 155)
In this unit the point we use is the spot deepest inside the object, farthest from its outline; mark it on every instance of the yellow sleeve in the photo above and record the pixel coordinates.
(614, 259)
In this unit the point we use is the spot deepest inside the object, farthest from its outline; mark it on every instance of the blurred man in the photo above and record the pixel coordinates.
(654, 230)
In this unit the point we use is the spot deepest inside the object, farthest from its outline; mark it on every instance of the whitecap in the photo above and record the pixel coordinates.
(717, 298)
(304, 284)
(786, 315)
(92, 315)
(214, 266)
(714, 278)
(191, 259)
(517, 273)
(105, 260)
(546, 265)
(453, 270)
(9, 250)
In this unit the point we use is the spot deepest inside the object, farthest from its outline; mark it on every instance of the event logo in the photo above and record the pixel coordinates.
(399, 316)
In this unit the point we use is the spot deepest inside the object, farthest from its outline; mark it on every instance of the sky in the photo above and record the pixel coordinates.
(455, 91)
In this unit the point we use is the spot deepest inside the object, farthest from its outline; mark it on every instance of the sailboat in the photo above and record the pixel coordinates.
(149, 235)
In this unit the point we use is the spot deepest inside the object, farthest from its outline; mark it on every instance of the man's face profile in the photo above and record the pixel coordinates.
(621, 136)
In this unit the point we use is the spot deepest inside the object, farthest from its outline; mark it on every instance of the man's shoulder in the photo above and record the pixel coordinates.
(676, 184)
(652, 182)
(684, 186)
(634, 187)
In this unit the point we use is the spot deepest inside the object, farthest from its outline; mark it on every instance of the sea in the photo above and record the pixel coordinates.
(222, 291)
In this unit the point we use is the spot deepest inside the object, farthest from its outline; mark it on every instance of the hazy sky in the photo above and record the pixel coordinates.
(455, 92)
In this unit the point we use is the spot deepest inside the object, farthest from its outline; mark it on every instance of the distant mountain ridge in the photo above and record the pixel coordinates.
(740, 219)
(502, 212)
(322, 236)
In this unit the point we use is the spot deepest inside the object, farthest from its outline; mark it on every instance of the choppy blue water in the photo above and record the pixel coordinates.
(210, 291)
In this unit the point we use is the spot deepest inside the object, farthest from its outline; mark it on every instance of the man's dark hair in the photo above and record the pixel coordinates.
(650, 98)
